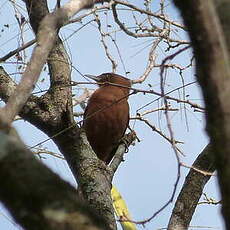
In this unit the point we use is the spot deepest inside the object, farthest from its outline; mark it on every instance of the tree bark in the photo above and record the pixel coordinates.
(209, 32)
(52, 114)
(36, 197)
(192, 190)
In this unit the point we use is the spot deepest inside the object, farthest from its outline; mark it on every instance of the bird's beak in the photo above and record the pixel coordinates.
(93, 77)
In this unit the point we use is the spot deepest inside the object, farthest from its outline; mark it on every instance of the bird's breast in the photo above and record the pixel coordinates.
(105, 121)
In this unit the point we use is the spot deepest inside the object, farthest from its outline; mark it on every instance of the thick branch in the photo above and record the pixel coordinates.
(78, 156)
(223, 9)
(7, 85)
(93, 176)
(38, 111)
(52, 118)
(213, 73)
(59, 68)
(36, 197)
(192, 190)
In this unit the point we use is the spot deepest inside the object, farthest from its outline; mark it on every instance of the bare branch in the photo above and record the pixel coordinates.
(192, 190)
(111, 59)
(23, 185)
(122, 148)
(135, 90)
(83, 97)
(171, 141)
(16, 51)
(159, 16)
(45, 40)
(209, 200)
(210, 46)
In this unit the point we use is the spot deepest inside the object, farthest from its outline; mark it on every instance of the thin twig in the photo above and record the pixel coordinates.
(13, 52)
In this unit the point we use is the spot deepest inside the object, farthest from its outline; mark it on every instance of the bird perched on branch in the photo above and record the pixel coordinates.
(106, 116)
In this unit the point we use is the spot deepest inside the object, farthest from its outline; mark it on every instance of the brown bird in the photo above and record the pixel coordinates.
(106, 116)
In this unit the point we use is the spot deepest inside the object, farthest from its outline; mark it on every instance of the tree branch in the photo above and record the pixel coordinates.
(121, 150)
(223, 9)
(66, 135)
(192, 190)
(25, 180)
(93, 176)
(58, 64)
(16, 51)
(213, 73)
(46, 38)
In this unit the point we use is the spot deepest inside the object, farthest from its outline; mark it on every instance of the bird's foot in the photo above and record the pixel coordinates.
(128, 139)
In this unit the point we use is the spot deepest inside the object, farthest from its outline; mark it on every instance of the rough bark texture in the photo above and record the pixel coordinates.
(52, 114)
(71, 142)
(93, 176)
(36, 197)
(223, 9)
(192, 190)
(209, 39)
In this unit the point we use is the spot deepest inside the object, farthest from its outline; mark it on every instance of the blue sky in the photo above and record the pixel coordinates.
(147, 176)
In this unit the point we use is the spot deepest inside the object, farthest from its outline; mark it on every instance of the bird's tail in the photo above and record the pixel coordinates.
(121, 210)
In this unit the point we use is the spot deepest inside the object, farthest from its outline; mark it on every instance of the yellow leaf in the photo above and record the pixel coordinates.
(121, 210)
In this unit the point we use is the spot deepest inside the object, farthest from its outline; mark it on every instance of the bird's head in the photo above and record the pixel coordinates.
(111, 78)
